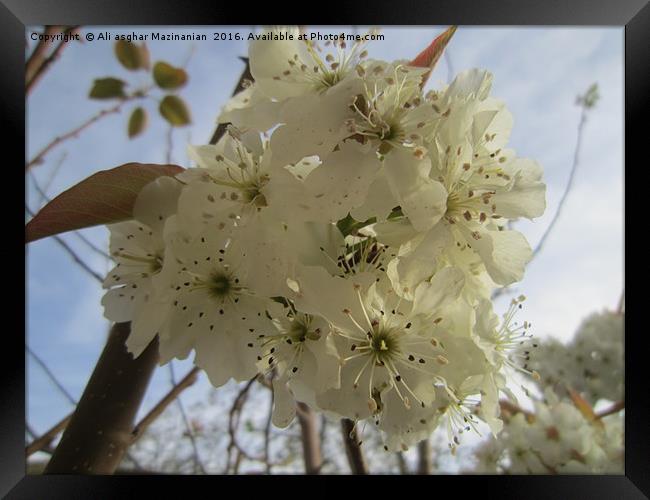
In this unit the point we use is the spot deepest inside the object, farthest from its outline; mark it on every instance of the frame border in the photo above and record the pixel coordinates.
(16, 15)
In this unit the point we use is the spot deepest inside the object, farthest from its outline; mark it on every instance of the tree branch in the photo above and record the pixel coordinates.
(569, 184)
(424, 457)
(100, 429)
(188, 426)
(37, 57)
(353, 447)
(311, 444)
(245, 76)
(615, 408)
(42, 68)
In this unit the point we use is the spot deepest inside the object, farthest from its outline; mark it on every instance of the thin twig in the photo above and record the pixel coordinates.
(267, 434)
(353, 447)
(245, 76)
(38, 159)
(40, 70)
(42, 442)
(46, 199)
(37, 57)
(72, 253)
(51, 376)
(160, 407)
(233, 422)
(55, 171)
(615, 408)
(569, 184)
(190, 432)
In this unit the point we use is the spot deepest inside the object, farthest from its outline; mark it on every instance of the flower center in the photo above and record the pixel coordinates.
(222, 284)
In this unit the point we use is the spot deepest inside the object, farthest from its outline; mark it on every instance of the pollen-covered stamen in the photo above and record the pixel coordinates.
(322, 73)
(471, 184)
(283, 351)
(152, 261)
(460, 416)
(383, 112)
(244, 176)
(512, 341)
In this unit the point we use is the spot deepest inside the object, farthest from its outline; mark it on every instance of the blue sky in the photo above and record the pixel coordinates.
(537, 72)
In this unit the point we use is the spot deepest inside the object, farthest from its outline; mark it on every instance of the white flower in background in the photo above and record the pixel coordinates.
(592, 363)
(138, 249)
(558, 439)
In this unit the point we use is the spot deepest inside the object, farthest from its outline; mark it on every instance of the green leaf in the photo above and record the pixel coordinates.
(350, 226)
(137, 122)
(174, 110)
(107, 88)
(130, 55)
(167, 76)
(430, 56)
(103, 198)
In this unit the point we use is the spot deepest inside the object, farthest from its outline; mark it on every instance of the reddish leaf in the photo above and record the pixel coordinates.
(430, 56)
(103, 198)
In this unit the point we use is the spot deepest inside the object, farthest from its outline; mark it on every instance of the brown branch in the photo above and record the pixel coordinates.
(40, 70)
(311, 443)
(37, 57)
(267, 434)
(100, 429)
(245, 76)
(160, 407)
(401, 463)
(424, 457)
(353, 447)
(511, 409)
(615, 408)
(44, 441)
(38, 159)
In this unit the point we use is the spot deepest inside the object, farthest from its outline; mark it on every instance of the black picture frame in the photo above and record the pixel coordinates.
(634, 15)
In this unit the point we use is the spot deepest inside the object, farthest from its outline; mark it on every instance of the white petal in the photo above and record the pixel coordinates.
(505, 253)
(314, 124)
(379, 202)
(527, 196)
(444, 287)
(284, 406)
(423, 200)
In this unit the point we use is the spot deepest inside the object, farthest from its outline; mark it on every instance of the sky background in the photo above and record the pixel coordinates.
(537, 71)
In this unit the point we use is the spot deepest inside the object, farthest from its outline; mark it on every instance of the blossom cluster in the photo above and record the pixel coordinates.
(591, 363)
(563, 434)
(343, 237)
(557, 438)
